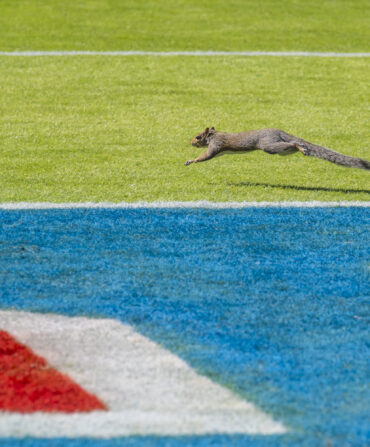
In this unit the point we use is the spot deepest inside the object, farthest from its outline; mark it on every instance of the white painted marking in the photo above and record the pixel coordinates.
(186, 53)
(190, 204)
(147, 389)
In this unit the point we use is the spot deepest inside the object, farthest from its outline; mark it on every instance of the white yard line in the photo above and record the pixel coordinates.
(147, 389)
(190, 204)
(185, 53)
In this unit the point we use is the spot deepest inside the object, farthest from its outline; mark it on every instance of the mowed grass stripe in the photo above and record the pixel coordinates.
(118, 129)
(159, 25)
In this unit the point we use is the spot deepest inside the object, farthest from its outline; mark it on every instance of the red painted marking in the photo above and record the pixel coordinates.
(28, 383)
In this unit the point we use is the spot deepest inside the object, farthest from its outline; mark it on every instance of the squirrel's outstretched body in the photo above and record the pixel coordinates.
(272, 141)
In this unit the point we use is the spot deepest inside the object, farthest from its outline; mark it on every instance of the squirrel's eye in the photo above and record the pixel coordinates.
(198, 137)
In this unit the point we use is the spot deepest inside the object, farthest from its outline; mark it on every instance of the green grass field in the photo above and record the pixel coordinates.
(312, 25)
(99, 128)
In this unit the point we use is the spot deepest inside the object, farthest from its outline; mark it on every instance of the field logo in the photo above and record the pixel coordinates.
(77, 377)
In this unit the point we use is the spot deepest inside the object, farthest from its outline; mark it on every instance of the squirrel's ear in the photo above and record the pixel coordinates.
(206, 130)
(212, 128)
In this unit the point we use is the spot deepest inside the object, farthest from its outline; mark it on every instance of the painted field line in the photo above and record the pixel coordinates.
(185, 53)
(146, 388)
(189, 204)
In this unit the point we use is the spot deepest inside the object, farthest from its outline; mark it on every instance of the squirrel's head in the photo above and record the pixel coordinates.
(204, 138)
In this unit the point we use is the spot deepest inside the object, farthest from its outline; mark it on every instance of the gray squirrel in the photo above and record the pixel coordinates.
(272, 141)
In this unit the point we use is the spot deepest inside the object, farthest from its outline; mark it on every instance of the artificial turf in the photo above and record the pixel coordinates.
(271, 303)
(118, 129)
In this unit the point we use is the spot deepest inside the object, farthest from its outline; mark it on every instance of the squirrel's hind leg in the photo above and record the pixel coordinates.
(281, 148)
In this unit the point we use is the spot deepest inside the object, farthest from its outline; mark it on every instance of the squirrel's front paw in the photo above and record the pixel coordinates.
(189, 162)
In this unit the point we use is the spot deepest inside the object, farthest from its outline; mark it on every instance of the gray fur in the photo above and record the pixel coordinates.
(272, 141)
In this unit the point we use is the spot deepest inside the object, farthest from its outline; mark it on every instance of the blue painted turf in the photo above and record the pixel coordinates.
(272, 303)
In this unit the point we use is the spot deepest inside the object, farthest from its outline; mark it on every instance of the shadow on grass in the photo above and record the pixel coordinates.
(302, 188)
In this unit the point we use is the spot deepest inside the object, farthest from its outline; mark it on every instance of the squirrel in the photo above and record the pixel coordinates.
(272, 141)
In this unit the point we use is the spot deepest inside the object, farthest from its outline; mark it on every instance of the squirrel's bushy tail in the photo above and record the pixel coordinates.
(332, 156)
